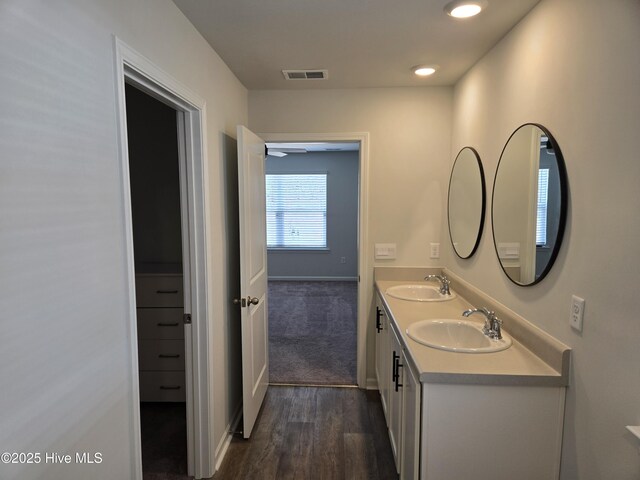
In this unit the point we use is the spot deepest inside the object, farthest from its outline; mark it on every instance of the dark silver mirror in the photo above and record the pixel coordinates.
(529, 206)
(466, 203)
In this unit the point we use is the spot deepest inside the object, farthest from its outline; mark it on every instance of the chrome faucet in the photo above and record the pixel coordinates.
(492, 323)
(444, 283)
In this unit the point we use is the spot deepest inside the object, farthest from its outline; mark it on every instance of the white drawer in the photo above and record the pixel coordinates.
(162, 387)
(160, 323)
(159, 291)
(161, 355)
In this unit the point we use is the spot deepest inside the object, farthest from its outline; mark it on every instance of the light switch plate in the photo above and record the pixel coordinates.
(385, 251)
(577, 312)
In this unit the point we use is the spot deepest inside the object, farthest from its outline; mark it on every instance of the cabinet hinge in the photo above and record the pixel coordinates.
(187, 318)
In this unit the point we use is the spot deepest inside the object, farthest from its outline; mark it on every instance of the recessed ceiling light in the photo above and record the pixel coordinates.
(465, 8)
(425, 70)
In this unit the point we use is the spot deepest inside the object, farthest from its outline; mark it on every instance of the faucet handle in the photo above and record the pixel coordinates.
(489, 319)
(444, 283)
(496, 323)
(492, 323)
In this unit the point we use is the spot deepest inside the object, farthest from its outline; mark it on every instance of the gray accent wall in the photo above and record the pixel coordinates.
(342, 218)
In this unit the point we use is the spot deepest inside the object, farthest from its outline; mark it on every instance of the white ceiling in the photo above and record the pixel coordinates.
(363, 43)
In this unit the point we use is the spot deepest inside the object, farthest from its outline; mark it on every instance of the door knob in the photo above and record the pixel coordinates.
(243, 302)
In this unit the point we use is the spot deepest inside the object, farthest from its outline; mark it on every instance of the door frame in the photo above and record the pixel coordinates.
(132, 67)
(364, 270)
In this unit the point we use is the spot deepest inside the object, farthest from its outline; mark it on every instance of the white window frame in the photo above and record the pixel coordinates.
(302, 248)
(542, 208)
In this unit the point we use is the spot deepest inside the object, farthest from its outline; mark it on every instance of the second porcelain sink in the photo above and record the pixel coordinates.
(418, 293)
(456, 336)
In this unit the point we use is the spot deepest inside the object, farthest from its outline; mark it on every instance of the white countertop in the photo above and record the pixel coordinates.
(516, 365)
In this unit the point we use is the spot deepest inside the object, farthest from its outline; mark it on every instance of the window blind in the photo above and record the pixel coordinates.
(543, 195)
(296, 210)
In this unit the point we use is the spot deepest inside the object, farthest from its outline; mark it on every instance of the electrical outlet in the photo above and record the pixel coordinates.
(577, 311)
(343, 259)
(435, 250)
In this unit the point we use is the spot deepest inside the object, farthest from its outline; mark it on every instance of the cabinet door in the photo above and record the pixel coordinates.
(383, 366)
(395, 396)
(410, 464)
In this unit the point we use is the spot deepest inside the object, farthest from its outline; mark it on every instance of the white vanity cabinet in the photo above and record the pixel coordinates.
(449, 420)
(400, 392)
(491, 432)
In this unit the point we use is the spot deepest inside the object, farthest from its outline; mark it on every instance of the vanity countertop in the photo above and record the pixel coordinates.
(517, 365)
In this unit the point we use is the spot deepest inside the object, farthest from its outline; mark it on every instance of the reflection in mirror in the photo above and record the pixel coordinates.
(529, 204)
(466, 202)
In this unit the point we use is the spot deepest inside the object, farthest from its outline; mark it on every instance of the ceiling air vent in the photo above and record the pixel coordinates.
(305, 74)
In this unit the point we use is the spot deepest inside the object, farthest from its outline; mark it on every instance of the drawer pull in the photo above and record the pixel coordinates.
(166, 291)
(168, 324)
(164, 355)
(169, 387)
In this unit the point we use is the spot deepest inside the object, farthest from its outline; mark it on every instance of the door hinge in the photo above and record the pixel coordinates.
(187, 318)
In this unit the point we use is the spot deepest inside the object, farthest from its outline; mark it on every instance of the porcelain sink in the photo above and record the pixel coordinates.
(419, 293)
(456, 336)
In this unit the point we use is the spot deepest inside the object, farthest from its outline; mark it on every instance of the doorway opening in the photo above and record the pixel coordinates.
(312, 237)
(154, 176)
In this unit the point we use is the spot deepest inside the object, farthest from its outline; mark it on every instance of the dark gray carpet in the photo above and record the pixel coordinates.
(312, 332)
(164, 441)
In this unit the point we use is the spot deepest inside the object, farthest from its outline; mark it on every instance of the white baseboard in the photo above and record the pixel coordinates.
(372, 384)
(225, 441)
(314, 279)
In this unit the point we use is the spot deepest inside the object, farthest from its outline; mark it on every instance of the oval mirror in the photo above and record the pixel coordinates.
(529, 204)
(466, 203)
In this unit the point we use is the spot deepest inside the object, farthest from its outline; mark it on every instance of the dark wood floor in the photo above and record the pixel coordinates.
(314, 433)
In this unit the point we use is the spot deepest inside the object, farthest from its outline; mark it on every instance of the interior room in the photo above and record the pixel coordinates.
(312, 241)
(554, 395)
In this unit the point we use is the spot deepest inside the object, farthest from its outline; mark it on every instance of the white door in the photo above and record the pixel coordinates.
(395, 396)
(253, 275)
(410, 455)
(382, 357)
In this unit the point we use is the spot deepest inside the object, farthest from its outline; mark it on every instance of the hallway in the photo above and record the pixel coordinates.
(314, 433)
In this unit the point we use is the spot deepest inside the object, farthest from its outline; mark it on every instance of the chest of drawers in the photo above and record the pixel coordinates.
(159, 301)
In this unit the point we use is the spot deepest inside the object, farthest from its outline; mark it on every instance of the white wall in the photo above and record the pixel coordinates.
(64, 348)
(573, 66)
(409, 157)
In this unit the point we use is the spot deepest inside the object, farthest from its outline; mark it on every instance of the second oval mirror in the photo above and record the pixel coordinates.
(466, 202)
(529, 204)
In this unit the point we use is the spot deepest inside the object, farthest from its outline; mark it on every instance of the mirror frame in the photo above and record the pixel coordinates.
(564, 199)
(484, 203)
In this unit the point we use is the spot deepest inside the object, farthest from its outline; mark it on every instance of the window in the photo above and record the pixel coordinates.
(543, 197)
(296, 210)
